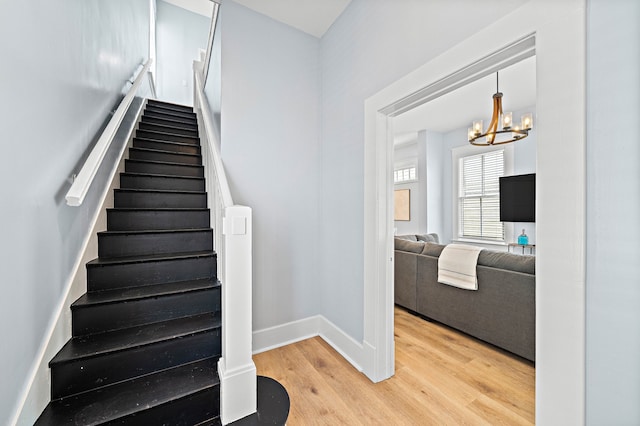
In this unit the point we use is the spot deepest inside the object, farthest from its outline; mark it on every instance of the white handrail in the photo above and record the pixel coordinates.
(82, 182)
(152, 84)
(202, 103)
(212, 30)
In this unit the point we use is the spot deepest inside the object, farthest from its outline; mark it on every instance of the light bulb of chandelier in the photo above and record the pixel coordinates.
(507, 120)
(471, 133)
(527, 121)
(477, 127)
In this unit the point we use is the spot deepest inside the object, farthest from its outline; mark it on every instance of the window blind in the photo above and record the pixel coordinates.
(479, 196)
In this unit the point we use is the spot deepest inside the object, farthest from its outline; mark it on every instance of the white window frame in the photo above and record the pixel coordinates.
(466, 151)
(406, 169)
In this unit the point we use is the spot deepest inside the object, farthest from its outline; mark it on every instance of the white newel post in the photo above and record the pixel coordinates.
(238, 397)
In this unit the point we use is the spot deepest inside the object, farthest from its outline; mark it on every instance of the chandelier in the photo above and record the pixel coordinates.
(501, 129)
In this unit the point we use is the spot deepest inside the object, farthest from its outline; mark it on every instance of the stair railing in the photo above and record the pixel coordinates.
(82, 181)
(237, 372)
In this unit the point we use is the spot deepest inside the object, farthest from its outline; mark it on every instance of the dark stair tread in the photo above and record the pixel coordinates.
(166, 115)
(154, 231)
(127, 398)
(168, 134)
(159, 191)
(212, 422)
(161, 209)
(155, 107)
(93, 345)
(149, 258)
(159, 151)
(163, 141)
(155, 102)
(168, 126)
(158, 175)
(143, 292)
(188, 123)
(183, 115)
(166, 162)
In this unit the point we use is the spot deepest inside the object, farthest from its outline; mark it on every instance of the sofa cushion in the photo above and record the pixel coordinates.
(432, 249)
(408, 237)
(429, 238)
(408, 246)
(508, 261)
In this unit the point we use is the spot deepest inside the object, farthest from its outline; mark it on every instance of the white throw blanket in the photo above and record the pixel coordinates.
(457, 266)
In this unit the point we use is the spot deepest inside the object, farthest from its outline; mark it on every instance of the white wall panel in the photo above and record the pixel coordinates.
(613, 210)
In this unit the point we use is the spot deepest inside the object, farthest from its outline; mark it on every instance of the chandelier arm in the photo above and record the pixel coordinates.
(518, 135)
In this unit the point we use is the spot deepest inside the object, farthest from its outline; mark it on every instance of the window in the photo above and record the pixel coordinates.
(407, 174)
(479, 196)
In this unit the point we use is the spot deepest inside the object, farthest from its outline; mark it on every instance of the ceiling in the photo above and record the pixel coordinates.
(201, 7)
(310, 16)
(458, 109)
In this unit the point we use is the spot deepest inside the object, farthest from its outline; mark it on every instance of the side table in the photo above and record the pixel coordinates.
(531, 247)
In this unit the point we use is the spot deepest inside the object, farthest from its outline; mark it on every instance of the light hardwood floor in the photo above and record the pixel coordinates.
(442, 378)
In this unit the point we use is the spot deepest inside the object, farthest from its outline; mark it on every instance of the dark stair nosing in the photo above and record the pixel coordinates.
(134, 396)
(96, 345)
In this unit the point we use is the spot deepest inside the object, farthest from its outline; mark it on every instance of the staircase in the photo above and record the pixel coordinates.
(146, 337)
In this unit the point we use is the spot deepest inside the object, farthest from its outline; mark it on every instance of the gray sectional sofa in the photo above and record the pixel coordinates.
(501, 312)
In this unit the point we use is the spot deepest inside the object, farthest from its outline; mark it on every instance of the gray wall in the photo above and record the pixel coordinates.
(180, 34)
(63, 67)
(613, 211)
(270, 146)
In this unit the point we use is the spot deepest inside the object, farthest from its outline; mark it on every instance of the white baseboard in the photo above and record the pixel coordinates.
(295, 331)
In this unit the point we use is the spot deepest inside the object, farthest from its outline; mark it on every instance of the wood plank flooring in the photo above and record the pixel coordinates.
(442, 378)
